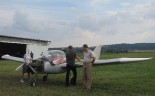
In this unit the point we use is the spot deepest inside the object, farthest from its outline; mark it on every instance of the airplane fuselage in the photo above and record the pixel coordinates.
(56, 69)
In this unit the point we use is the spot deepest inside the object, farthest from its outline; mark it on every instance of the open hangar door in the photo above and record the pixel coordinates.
(13, 49)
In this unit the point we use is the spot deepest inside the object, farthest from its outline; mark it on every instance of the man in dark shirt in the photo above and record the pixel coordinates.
(31, 54)
(70, 59)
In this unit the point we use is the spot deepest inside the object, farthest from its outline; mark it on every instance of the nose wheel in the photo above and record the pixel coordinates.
(33, 81)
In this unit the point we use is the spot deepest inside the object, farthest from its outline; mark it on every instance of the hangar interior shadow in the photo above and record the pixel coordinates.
(13, 49)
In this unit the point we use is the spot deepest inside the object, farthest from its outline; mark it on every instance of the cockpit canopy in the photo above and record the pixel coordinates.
(55, 56)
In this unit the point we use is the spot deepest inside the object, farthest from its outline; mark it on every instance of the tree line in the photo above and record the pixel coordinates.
(117, 48)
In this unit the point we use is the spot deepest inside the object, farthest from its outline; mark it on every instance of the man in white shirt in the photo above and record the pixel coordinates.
(89, 59)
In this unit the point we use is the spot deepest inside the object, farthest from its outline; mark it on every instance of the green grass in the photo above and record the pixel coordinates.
(135, 79)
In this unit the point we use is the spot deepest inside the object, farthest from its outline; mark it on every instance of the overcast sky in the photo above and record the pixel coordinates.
(75, 22)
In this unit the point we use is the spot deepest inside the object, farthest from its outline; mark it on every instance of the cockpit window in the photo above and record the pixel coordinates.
(56, 56)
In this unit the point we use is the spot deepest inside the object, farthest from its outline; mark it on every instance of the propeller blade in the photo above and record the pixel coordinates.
(19, 67)
(32, 69)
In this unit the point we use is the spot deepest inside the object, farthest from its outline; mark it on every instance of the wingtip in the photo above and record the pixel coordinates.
(5, 55)
(151, 58)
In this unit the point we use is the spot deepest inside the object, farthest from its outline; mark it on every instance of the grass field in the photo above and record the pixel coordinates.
(135, 79)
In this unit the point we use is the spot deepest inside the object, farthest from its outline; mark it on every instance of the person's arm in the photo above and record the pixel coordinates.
(66, 58)
(78, 58)
(93, 58)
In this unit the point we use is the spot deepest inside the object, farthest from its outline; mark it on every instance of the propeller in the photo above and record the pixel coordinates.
(19, 67)
(28, 64)
(32, 69)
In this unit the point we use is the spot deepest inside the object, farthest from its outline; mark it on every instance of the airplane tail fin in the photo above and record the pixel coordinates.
(97, 52)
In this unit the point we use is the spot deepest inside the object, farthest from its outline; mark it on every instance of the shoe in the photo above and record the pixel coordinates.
(22, 81)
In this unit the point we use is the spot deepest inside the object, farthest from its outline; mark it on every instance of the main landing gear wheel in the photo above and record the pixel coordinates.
(45, 78)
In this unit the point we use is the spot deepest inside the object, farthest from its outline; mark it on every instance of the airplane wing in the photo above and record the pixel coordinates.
(13, 58)
(103, 62)
(119, 60)
(113, 61)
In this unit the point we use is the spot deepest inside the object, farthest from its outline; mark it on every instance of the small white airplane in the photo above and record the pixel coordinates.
(54, 62)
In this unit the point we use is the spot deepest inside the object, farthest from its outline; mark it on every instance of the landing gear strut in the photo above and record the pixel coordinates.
(45, 78)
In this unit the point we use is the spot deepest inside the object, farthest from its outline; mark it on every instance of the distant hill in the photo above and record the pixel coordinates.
(136, 46)
(117, 48)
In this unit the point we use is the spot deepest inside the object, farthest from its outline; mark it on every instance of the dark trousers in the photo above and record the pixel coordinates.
(73, 79)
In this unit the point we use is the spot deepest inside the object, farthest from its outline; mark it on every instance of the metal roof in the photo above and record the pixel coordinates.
(25, 38)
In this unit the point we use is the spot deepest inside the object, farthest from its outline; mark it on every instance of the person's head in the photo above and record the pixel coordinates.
(85, 47)
(70, 47)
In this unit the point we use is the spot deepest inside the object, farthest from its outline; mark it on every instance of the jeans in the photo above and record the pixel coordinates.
(73, 79)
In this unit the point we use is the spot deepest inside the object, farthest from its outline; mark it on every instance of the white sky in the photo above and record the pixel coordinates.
(76, 22)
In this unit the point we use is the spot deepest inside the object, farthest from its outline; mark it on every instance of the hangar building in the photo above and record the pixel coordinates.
(18, 46)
